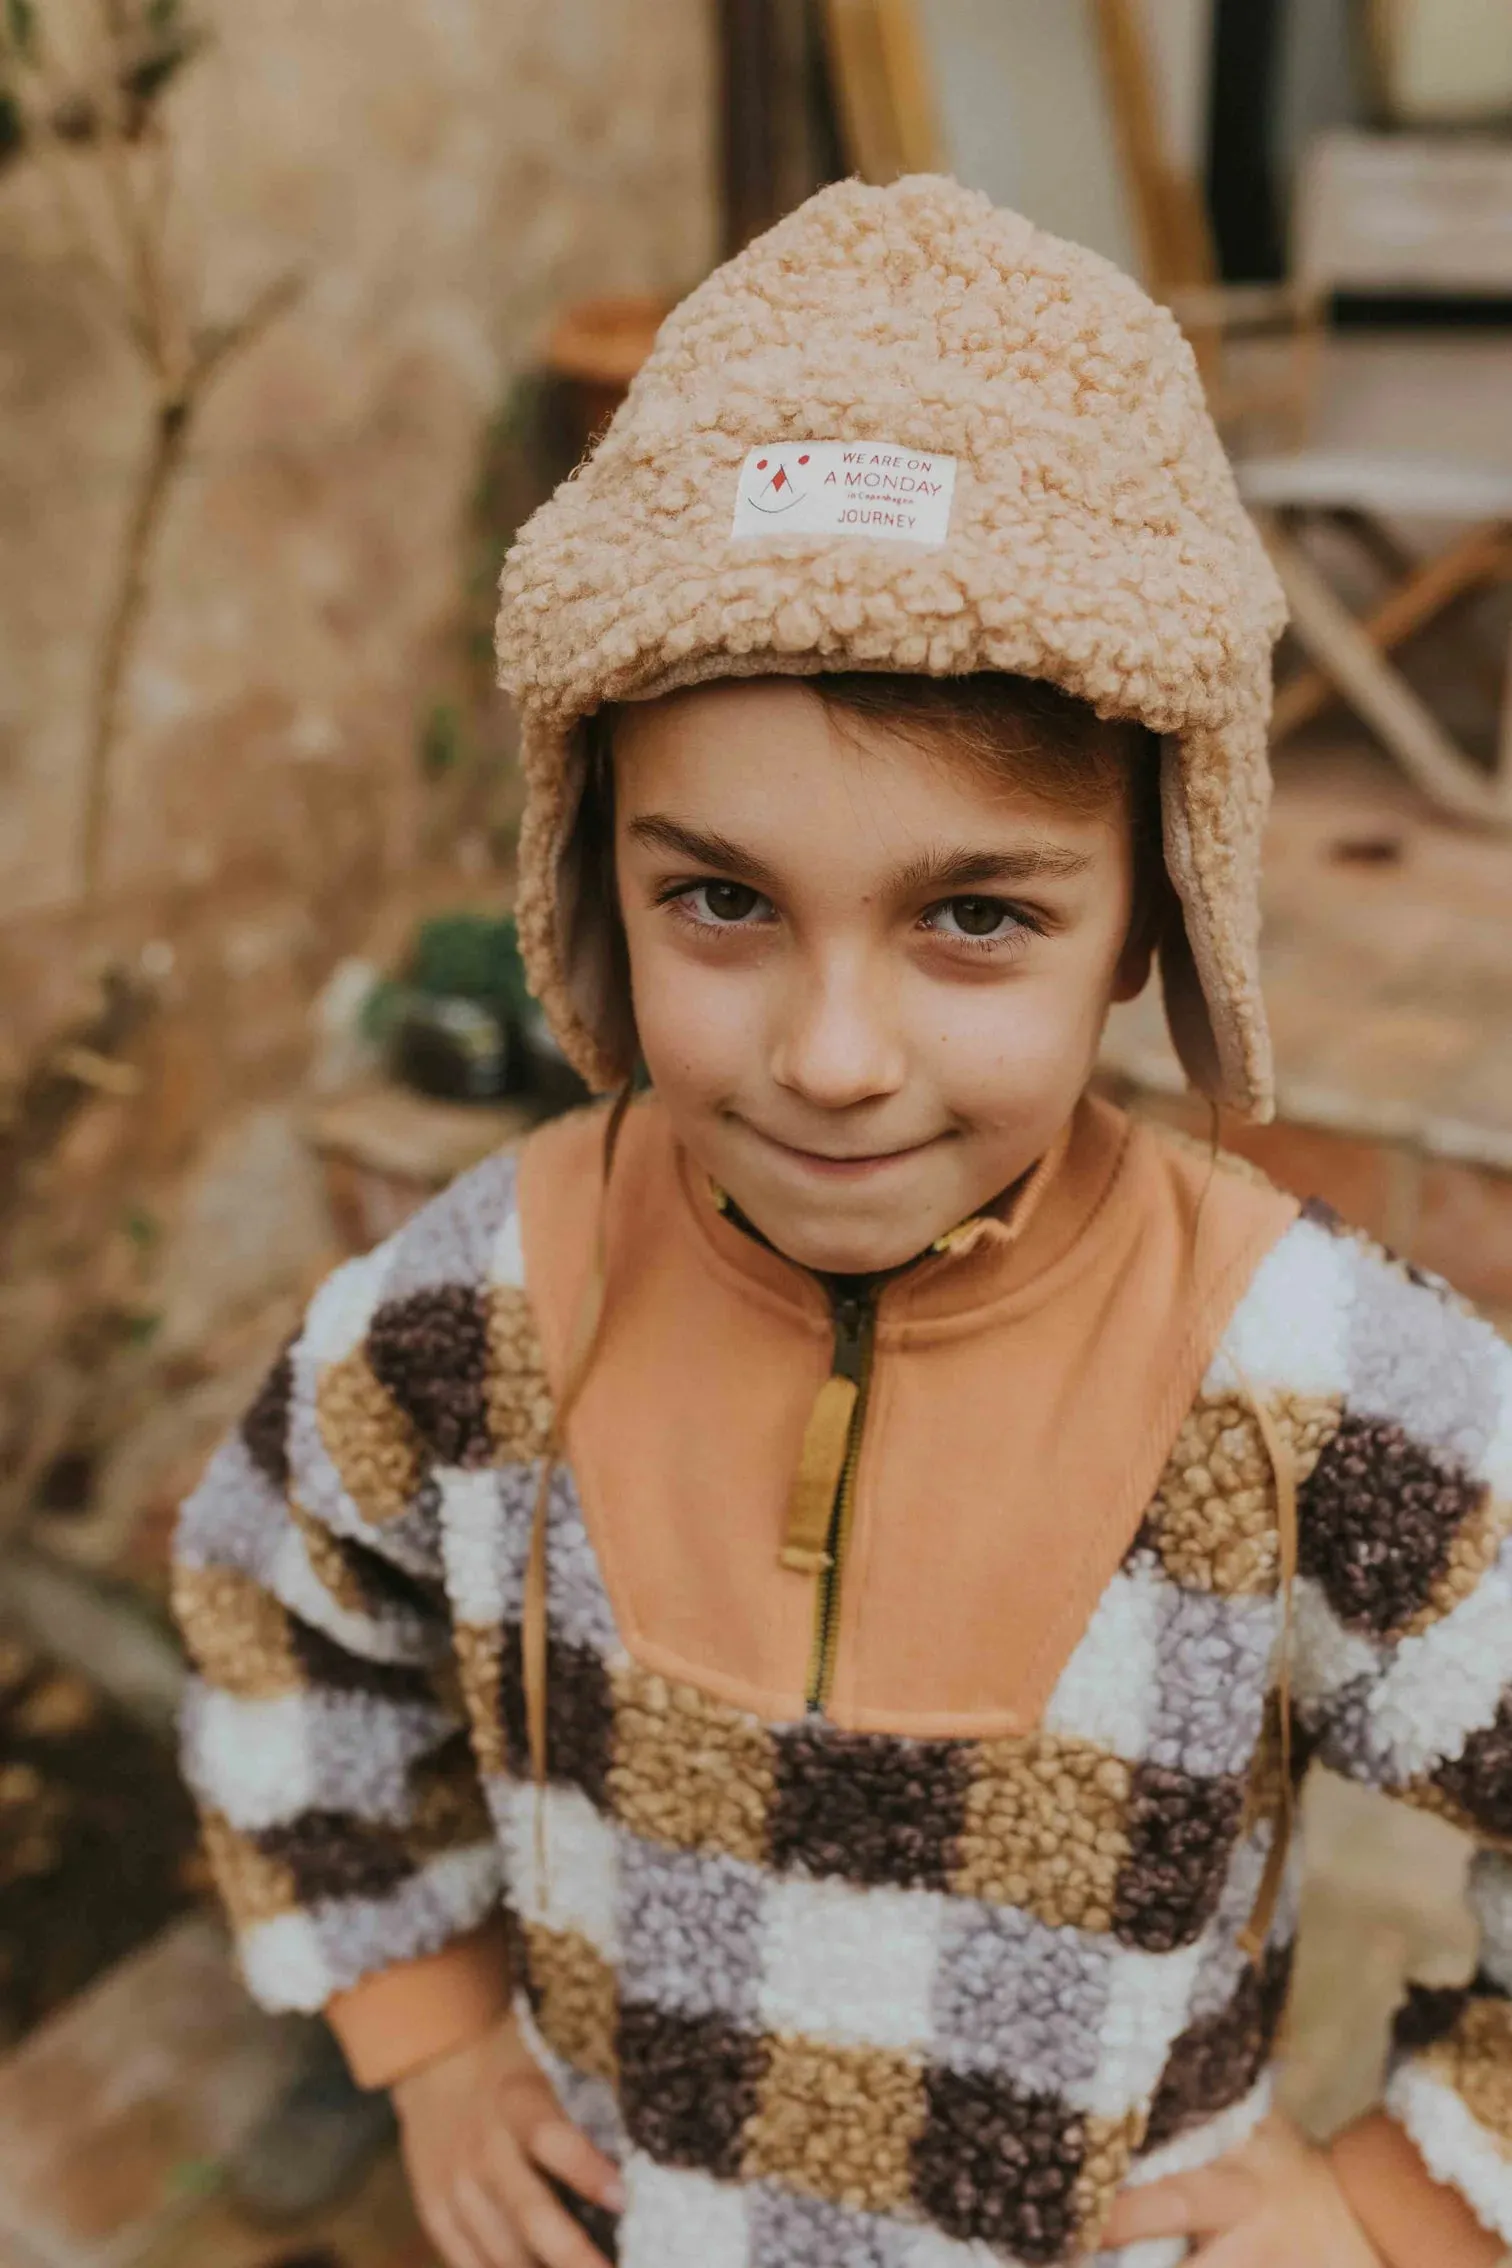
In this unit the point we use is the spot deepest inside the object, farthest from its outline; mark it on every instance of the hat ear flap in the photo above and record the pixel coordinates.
(1209, 961)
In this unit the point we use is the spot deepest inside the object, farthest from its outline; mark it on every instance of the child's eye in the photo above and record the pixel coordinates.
(722, 905)
(979, 921)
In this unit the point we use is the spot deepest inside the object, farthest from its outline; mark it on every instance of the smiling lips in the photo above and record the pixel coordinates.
(845, 1166)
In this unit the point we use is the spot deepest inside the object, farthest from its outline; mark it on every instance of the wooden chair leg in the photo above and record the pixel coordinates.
(1480, 556)
(1347, 656)
(1378, 543)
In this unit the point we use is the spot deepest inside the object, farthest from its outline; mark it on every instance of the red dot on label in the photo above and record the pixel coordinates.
(761, 464)
(803, 460)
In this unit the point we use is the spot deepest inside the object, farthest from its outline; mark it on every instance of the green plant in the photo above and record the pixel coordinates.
(459, 956)
(443, 740)
(471, 957)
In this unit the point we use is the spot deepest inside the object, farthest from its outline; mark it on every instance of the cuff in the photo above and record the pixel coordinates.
(1412, 2220)
(409, 2014)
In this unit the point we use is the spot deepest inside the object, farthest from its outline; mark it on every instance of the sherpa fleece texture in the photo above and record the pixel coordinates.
(1096, 540)
(837, 1996)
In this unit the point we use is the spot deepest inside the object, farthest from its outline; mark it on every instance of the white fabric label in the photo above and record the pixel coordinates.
(854, 488)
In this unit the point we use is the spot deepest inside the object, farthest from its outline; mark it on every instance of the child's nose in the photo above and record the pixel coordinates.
(837, 1039)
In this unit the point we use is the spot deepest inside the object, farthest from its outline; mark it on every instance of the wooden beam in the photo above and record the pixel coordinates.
(747, 94)
(905, 65)
(1175, 241)
(863, 95)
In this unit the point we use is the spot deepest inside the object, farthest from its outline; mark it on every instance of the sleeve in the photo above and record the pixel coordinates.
(1402, 1666)
(323, 1733)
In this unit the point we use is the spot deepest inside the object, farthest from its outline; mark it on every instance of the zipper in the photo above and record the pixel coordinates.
(855, 1318)
(853, 1306)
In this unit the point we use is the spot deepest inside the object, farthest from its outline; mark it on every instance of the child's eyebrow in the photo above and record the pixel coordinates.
(980, 869)
(701, 849)
(942, 870)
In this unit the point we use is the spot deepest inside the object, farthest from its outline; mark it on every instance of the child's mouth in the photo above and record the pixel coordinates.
(851, 1165)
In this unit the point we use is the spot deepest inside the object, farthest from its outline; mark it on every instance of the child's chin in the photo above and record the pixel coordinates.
(847, 1249)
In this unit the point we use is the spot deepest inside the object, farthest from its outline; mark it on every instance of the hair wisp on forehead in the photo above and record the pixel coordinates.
(1006, 728)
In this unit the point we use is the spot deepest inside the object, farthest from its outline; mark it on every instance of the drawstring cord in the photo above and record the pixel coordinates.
(581, 1345)
(1283, 1462)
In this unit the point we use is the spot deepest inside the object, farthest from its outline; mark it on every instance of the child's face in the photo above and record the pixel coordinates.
(869, 983)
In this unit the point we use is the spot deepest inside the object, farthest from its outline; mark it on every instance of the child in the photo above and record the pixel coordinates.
(748, 1657)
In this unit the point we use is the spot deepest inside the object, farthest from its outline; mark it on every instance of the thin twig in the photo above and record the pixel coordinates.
(88, 238)
(142, 242)
(214, 349)
(169, 433)
(172, 424)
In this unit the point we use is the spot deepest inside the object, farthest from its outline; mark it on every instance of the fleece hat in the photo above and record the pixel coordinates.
(907, 431)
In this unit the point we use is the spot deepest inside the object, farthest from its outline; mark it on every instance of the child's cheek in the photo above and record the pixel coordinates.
(696, 1028)
(1013, 1056)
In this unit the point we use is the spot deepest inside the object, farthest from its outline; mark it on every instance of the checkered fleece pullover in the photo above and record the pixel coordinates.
(835, 1996)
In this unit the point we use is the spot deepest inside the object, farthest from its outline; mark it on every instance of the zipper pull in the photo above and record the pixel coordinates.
(806, 1547)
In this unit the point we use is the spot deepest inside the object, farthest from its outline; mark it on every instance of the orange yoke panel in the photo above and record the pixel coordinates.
(1026, 1389)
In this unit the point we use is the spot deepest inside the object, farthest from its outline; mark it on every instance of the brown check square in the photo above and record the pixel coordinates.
(579, 1713)
(686, 1769)
(1212, 1519)
(1046, 1828)
(1181, 1833)
(838, 2122)
(688, 2086)
(573, 1996)
(996, 2164)
(369, 1439)
(868, 1807)
(255, 1885)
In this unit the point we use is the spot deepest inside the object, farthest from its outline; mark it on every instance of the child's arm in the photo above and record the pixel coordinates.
(1404, 1666)
(323, 1735)
(1402, 1662)
(1404, 1680)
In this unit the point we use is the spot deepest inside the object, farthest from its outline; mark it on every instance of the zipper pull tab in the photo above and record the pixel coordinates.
(805, 1546)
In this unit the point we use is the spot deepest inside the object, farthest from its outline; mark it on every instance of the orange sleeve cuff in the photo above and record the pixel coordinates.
(401, 2017)
(1412, 2220)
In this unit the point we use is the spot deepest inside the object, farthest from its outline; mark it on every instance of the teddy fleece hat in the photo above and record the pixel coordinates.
(905, 430)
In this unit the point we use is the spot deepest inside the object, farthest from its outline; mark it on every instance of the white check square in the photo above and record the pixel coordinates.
(853, 1966)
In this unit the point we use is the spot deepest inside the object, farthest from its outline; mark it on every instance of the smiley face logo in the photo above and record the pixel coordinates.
(783, 486)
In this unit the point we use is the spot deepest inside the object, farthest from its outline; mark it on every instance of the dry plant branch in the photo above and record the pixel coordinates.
(174, 416)
(92, 100)
(81, 83)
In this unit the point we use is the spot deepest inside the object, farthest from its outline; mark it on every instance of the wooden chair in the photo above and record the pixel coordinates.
(1377, 213)
(1392, 214)
(1381, 213)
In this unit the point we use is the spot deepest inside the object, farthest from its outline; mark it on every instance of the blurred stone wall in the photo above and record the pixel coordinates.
(442, 174)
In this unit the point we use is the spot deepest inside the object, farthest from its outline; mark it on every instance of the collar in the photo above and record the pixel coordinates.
(1016, 1248)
